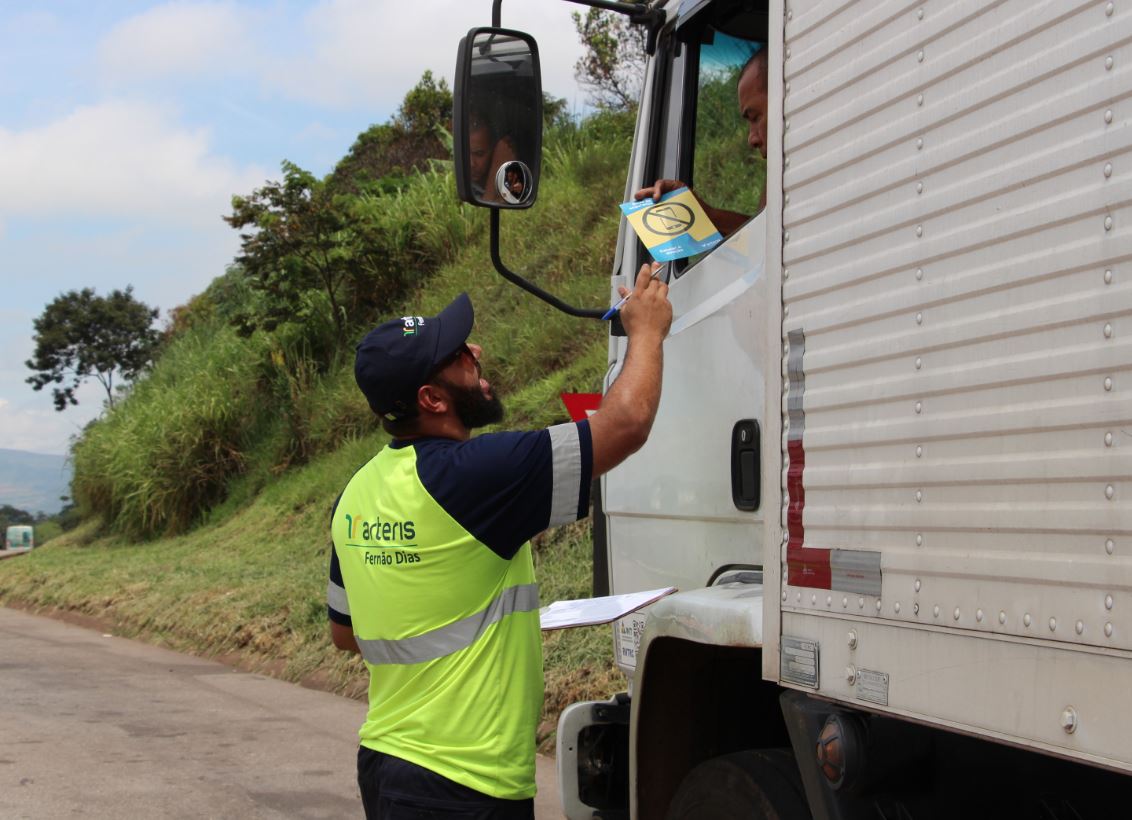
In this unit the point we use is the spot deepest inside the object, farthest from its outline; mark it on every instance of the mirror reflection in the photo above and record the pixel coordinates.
(504, 125)
(513, 182)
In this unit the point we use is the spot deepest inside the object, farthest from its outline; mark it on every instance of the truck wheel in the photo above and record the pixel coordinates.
(762, 784)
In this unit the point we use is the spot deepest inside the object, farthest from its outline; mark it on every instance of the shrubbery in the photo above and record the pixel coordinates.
(233, 400)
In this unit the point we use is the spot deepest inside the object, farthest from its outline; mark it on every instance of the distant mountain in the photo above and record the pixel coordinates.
(33, 481)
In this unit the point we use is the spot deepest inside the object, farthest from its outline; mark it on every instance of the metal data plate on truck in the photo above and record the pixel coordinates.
(957, 422)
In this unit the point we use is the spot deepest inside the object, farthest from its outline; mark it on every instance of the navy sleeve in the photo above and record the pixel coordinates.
(505, 488)
(337, 605)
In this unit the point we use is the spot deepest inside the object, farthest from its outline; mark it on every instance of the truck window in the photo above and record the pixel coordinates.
(726, 171)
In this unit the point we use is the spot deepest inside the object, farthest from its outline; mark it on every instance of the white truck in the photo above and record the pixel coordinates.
(890, 470)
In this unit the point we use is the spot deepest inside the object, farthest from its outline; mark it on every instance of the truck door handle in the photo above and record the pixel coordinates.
(745, 468)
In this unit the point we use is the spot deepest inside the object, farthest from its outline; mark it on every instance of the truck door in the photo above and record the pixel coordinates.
(687, 505)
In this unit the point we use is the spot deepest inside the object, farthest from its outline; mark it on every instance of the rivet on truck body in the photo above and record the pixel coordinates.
(919, 187)
(851, 674)
(1069, 720)
(917, 585)
(955, 614)
(935, 611)
(1108, 10)
(896, 607)
(920, 56)
(1109, 492)
(1001, 617)
(1108, 115)
(1079, 627)
(1107, 330)
(919, 318)
(1108, 630)
(1108, 383)
(1026, 619)
(1108, 63)
(851, 639)
(919, 362)
(1109, 546)
(1108, 602)
(919, 496)
(1053, 624)
(1107, 170)
(878, 604)
(1108, 277)
(919, 451)
(919, 540)
(919, 407)
(979, 615)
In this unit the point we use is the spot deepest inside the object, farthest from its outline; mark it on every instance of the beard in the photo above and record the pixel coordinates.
(472, 407)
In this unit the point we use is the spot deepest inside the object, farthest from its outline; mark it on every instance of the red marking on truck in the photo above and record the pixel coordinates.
(808, 567)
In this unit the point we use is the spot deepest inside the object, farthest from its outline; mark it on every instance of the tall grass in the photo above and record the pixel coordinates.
(160, 458)
(221, 414)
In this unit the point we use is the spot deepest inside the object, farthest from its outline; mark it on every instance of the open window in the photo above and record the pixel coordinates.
(714, 129)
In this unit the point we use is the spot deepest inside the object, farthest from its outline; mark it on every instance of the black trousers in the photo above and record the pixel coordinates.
(395, 789)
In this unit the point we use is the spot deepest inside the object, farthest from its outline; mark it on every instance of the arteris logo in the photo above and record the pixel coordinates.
(411, 323)
(380, 531)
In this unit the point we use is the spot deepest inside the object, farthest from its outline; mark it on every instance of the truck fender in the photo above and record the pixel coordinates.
(697, 690)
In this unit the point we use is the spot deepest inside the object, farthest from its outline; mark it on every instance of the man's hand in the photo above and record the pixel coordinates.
(659, 189)
(649, 311)
(622, 425)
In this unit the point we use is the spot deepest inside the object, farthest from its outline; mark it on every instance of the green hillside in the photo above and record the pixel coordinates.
(207, 491)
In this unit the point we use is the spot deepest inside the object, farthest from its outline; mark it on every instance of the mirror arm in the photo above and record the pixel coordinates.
(530, 287)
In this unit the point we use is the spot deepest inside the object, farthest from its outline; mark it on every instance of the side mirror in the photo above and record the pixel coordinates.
(497, 121)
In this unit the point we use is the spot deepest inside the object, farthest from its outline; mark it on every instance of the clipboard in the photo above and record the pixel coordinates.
(595, 611)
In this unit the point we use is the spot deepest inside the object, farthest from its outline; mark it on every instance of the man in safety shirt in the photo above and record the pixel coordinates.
(431, 575)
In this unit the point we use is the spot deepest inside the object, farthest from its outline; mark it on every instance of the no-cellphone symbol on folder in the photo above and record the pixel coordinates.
(674, 227)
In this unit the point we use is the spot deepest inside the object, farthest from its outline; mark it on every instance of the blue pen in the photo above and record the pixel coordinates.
(609, 314)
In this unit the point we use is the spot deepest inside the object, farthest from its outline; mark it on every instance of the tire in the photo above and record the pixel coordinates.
(762, 784)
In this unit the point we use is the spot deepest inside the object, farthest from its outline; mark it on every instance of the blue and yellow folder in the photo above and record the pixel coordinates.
(674, 227)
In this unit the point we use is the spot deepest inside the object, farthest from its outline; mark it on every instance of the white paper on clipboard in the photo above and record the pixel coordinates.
(593, 611)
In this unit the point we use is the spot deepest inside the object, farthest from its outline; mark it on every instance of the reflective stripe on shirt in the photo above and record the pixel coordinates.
(453, 637)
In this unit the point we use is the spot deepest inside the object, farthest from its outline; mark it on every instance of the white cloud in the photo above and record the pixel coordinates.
(373, 51)
(118, 158)
(176, 39)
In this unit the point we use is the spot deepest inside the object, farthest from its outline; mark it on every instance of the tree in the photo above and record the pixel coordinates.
(82, 335)
(299, 241)
(613, 65)
(414, 136)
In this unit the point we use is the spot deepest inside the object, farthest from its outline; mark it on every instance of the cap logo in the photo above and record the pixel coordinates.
(411, 323)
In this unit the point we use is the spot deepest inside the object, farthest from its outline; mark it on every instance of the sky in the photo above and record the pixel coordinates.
(126, 127)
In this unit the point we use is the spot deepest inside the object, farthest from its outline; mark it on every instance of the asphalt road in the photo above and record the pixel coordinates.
(97, 726)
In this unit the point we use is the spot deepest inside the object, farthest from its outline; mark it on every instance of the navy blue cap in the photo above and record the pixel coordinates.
(397, 357)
